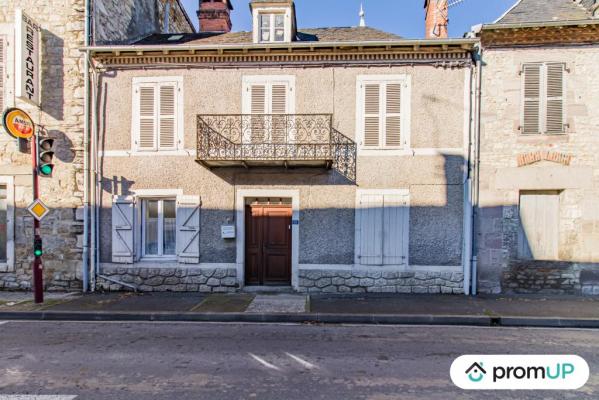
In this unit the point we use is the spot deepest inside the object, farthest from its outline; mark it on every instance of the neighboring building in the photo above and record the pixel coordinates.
(62, 117)
(328, 160)
(538, 217)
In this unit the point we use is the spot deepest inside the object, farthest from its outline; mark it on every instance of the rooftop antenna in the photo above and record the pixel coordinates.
(362, 14)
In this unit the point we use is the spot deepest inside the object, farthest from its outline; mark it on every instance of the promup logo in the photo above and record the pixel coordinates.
(520, 372)
(476, 372)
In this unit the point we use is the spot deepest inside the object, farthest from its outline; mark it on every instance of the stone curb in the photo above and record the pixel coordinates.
(380, 319)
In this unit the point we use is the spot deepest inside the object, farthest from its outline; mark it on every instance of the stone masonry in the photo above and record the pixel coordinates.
(188, 279)
(354, 281)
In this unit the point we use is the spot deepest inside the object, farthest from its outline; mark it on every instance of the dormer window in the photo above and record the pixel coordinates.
(272, 27)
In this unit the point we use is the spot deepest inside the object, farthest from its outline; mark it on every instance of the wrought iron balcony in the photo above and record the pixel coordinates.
(286, 140)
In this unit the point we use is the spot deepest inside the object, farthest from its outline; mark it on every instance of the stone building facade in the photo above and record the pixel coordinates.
(62, 117)
(538, 215)
(363, 212)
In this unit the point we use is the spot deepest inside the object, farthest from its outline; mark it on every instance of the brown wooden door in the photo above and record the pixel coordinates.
(268, 245)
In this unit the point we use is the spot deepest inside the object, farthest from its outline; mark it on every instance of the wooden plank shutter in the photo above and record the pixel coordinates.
(188, 229)
(167, 133)
(147, 117)
(393, 115)
(539, 226)
(372, 116)
(395, 220)
(531, 99)
(2, 73)
(371, 229)
(555, 98)
(123, 211)
(258, 106)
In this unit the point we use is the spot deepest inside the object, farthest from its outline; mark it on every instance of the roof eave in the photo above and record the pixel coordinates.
(544, 24)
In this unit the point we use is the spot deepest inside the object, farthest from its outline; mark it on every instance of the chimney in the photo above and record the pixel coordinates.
(215, 15)
(437, 18)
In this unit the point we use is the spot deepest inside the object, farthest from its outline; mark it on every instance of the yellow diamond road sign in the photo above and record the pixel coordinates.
(38, 209)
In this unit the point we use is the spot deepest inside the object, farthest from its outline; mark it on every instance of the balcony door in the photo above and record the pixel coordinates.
(263, 99)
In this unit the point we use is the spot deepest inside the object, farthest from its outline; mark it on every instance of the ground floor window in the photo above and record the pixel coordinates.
(159, 227)
(539, 225)
(3, 223)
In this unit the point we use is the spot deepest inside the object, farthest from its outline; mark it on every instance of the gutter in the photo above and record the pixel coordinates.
(466, 44)
(86, 156)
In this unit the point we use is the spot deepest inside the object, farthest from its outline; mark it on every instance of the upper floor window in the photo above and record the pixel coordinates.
(272, 27)
(543, 92)
(3, 223)
(7, 226)
(157, 114)
(383, 112)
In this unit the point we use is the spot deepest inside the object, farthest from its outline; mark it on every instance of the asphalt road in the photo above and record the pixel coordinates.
(251, 361)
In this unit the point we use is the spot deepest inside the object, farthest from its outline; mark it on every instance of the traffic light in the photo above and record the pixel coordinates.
(45, 154)
(37, 247)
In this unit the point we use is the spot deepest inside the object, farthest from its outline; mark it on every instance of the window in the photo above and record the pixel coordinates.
(159, 229)
(6, 223)
(382, 218)
(272, 27)
(157, 111)
(539, 225)
(543, 88)
(2, 73)
(383, 112)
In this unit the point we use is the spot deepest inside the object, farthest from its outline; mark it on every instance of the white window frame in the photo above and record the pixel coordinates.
(272, 27)
(257, 29)
(358, 223)
(9, 264)
(179, 120)
(406, 100)
(142, 201)
(543, 99)
(249, 80)
(7, 32)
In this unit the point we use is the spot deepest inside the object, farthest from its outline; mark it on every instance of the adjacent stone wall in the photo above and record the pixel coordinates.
(215, 280)
(125, 21)
(362, 281)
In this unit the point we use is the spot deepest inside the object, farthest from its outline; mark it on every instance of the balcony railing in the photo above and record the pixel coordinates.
(290, 140)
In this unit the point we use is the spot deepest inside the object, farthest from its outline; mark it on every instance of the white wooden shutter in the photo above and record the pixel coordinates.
(2, 73)
(395, 220)
(258, 106)
(531, 114)
(167, 107)
(372, 116)
(393, 115)
(555, 98)
(188, 229)
(123, 245)
(371, 229)
(539, 226)
(278, 102)
(146, 97)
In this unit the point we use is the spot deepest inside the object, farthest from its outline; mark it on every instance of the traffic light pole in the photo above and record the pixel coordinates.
(38, 284)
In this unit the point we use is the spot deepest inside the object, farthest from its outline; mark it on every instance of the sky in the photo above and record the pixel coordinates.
(402, 17)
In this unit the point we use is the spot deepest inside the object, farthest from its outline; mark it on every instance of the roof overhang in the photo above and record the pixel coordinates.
(545, 24)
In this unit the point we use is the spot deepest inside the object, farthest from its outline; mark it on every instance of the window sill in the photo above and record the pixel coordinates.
(159, 153)
(543, 137)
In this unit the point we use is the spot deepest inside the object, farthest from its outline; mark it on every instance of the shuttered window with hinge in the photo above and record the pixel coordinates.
(383, 113)
(543, 92)
(156, 124)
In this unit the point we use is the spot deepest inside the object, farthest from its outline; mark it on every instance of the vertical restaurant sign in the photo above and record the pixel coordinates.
(27, 58)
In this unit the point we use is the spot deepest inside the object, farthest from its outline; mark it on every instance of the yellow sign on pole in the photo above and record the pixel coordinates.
(38, 209)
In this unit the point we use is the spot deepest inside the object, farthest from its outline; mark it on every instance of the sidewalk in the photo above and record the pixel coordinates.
(554, 311)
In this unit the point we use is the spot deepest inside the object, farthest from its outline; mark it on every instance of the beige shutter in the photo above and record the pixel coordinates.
(278, 106)
(371, 229)
(123, 211)
(395, 220)
(372, 115)
(393, 115)
(188, 229)
(555, 98)
(539, 226)
(2, 73)
(531, 99)
(258, 106)
(147, 117)
(167, 132)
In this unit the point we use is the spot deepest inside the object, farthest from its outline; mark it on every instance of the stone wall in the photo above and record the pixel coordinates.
(215, 280)
(376, 281)
(62, 118)
(125, 21)
(502, 179)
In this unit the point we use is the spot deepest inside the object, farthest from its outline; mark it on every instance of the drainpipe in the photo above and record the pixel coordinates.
(467, 212)
(86, 157)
